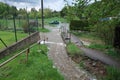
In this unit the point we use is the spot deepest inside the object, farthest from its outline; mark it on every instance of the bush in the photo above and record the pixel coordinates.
(30, 28)
(105, 30)
(25, 27)
(79, 25)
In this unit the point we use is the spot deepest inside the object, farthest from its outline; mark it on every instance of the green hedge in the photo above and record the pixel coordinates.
(79, 25)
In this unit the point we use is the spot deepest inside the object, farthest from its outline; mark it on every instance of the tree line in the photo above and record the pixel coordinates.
(7, 11)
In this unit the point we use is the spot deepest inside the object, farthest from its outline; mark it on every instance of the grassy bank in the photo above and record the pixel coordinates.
(38, 67)
(73, 50)
(88, 36)
(111, 73)
(97, 43)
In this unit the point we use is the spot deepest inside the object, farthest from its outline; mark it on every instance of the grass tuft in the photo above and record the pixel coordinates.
(73, 49)
(44, 30)
(112, 74)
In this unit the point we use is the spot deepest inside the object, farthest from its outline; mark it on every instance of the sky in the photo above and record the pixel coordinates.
(52, 4)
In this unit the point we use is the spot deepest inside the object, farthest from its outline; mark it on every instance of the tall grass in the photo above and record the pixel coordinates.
(112, 74)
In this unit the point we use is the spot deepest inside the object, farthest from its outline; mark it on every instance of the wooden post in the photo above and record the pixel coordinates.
(27, 52)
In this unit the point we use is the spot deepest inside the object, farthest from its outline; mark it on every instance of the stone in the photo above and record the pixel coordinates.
(94, 64)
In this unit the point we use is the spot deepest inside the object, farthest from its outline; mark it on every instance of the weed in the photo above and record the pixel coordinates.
(112, 74)
(73, 50)
(82, 64)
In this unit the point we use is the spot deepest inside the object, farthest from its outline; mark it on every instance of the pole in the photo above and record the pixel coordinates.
(28, 21)
(3, 42)
(42, 14)
(27, 52)
(15, 28)
(19, 21)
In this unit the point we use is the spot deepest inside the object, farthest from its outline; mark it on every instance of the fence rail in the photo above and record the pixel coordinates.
(20, 44)
(15, 56)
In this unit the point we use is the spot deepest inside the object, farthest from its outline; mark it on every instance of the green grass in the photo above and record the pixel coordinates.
(87, 35)
(73, 50)
(44, 30)
(10, 23)
(8, 37)
(38, 67)
(112, 74)
(100, 47)
(109, 50)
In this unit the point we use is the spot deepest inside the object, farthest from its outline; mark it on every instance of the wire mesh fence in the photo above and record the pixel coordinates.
(14, 30)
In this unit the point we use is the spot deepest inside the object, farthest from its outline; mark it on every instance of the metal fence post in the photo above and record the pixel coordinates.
(15, 28)
(42, 14)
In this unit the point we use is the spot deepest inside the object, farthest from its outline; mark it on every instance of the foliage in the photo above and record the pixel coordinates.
(94, 14)
(37, 67)
(82, 64)
(90, 36)
(73, 50)
(63, 12)
(31, 27)
(101, 47)
(112, 74)
(105, 30)
(7, 11)
(78, 25)
(107, 49)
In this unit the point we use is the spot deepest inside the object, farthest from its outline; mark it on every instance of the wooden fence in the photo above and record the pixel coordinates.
(20, 44)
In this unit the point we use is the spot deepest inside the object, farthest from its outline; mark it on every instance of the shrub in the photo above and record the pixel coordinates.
(31, 27)
(79, 25)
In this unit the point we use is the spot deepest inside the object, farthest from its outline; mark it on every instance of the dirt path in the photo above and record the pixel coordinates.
(60, 58)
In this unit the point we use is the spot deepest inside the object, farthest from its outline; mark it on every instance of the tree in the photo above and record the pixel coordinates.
(63, 12)
(47, 13)
(94, 13)
(55, 14)
(22, 12)
(33, 13)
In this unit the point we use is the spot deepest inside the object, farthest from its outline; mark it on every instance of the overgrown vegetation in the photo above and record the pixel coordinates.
(102, 20)
(73, 50)
(38, 67)
(79, 25)
(112, 74)
(109, 50)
